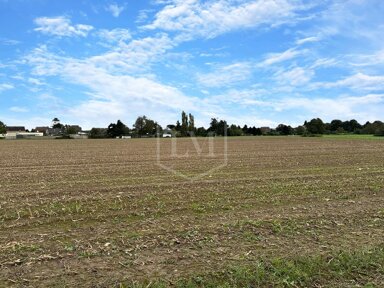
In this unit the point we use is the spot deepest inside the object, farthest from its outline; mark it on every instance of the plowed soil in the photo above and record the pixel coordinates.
(99, 212)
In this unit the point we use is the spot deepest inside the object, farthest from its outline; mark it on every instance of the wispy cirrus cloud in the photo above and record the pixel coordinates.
(61, 26)
(226, 75)
(274, 58)
(307, 40)
(7, 41)
(18, 109)
(358, 81)
(295, 76)
(5, 86)
(209, 19)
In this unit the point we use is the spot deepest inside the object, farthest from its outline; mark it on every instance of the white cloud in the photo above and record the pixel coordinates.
(112, 96)
(115, 35)
(367, 59)
(211, 18)
(294, 77)
(324, 62)
(307, 40)
(10, 42)
(61, 26)
(358, 81)
(354, 19)
(35, 81)
(273, 58)
(226, 75)
(362, 108)
(5, 86)
(135, 56)
(143, 15)
(115, 9)
(18, 109)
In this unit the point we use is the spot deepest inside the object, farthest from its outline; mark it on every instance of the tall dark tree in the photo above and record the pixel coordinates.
(315, 126)
(191, 123)
(218, 127)
(145, 126)
(335, 125)
(117, 130)
(213, 126)
(184, 124)
(245, 129)
(283, 129)
(178, 126)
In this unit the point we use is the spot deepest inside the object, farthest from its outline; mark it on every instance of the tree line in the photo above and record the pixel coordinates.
(145, 127)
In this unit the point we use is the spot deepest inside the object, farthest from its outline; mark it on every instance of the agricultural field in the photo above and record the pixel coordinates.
(281, 211)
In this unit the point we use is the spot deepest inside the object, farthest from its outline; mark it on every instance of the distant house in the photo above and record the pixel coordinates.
(54, 131)
(43, 129)
(16, 132)
(15, 129)
(265, 130)
(12, 131)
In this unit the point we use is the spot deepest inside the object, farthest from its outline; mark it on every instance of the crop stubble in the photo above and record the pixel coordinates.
(102, 211)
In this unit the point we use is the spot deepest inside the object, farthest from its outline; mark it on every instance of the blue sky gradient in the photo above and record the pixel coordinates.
(254, 62)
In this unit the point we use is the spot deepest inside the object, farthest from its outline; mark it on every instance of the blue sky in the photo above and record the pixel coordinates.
(254, 62)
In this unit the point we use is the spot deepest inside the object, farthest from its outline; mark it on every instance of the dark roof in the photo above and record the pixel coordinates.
(43, 128)
(15, 128)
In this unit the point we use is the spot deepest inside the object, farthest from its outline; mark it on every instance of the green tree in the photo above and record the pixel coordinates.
(315, 126)
(146, 126)
(300, 130)
(373, 128)
(335, 125)
(245, 129)
(72, 129)
(218, 127)
(3, 128)
(201, 131)
(234, 130)
(178, 126)
(351, 126)
(213, 127)
(184, 124)
(96, 133)
(283, 129)
(191, 123)
(117, 130)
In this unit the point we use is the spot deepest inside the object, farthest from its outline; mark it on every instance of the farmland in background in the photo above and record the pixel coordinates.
(285, 211)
